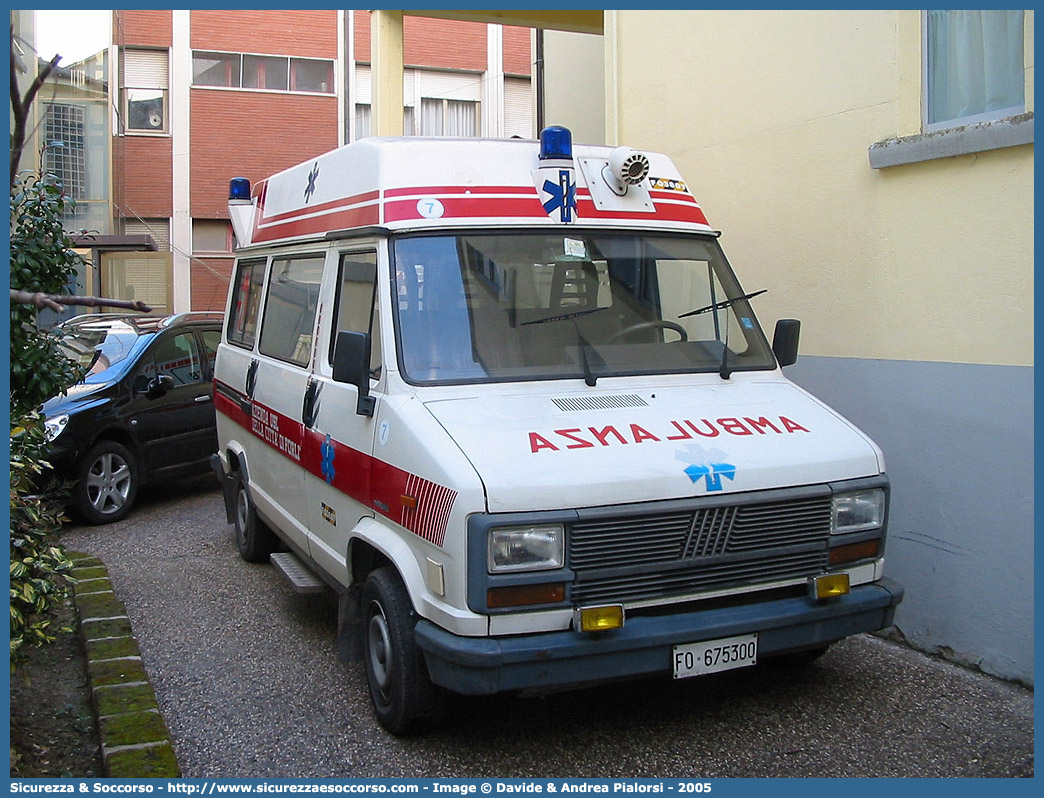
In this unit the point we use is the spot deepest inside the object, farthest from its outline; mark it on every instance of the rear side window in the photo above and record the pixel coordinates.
(246, 302)
(289, 317)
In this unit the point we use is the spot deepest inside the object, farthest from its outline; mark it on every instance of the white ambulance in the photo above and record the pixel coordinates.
(509, 400)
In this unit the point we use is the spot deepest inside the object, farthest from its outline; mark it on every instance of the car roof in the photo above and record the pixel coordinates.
(142, 323)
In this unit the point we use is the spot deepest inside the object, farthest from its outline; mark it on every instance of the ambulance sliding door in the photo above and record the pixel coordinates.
(342, 495)
(279, 387)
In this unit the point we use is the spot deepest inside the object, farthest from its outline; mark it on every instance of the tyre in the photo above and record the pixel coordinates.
(404, 698)
(106, 483)
(254, 539)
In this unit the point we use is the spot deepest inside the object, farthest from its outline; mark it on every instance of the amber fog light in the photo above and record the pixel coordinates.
(598, 619)
(828, 586)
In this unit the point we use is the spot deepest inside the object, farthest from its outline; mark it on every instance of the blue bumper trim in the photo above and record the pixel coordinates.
(483, 665)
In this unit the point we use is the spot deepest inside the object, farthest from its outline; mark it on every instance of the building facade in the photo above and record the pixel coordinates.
(204, 96)
(874, 171)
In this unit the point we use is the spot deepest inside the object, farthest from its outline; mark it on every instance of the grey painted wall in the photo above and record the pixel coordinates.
(958, 446)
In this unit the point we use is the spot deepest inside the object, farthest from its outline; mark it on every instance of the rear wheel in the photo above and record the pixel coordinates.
(404, 698)
(254, 539)
(106, 484)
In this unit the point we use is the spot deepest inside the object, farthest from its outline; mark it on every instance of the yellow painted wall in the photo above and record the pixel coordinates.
(576, 99)
(769, 116)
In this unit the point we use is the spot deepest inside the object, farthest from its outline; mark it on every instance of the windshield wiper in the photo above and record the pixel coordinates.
(723, 369)
(725, 303)
(563, 316)
(589, 377)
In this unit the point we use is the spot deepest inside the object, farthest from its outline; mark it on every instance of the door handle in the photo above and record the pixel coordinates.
(204, 398)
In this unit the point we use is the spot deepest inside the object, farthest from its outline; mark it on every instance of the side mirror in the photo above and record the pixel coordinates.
(351, 365)
(158, 386)
(785, 341)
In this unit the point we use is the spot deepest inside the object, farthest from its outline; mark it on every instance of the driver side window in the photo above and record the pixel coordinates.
(174, 355)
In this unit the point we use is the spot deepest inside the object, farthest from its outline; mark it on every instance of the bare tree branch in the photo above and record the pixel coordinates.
(20, 105)
(57, 303)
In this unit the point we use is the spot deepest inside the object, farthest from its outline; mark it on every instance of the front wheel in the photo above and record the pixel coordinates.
(106, 484)
(404, 698)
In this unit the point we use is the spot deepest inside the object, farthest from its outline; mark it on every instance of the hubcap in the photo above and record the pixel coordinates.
(242, 513)
(380, 650)
(108, 483)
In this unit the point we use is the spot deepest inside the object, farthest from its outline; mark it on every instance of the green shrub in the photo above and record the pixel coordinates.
(42, 260)
(38, 565)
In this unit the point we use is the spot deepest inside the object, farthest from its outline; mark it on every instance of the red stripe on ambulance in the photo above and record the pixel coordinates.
(369, 481)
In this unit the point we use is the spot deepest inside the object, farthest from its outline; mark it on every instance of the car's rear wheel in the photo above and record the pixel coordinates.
(107, 483)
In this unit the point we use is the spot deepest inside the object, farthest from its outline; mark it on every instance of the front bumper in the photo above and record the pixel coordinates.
(643, 647)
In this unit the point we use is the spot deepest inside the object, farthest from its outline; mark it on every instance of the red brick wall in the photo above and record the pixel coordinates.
(444, 43)
(142, 175)
(252, 135)
(142, 28)
(518, 51)
(210, 278)
(309, 34)
(428, 42)
(362, 35)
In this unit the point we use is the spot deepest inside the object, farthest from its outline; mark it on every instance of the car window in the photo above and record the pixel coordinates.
(175, 355)
(211, 339)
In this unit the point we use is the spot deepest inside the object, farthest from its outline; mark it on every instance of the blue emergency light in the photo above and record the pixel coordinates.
(556, 142)
(239, 188)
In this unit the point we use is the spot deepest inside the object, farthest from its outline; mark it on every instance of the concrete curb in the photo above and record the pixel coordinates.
(135, 742)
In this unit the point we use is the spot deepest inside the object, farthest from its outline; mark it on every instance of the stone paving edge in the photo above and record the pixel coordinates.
(135, 741)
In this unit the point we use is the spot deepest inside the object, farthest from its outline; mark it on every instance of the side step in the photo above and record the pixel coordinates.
(297, 573)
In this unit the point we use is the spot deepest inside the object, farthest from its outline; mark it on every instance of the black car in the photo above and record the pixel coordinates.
(143, 413)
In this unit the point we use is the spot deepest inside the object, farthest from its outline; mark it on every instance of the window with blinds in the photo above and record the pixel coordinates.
(159, 229)
(146, 81)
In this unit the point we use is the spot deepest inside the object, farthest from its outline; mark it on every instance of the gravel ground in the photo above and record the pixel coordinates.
(246, 676)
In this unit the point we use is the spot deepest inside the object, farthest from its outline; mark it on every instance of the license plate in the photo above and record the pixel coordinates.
(712, 656)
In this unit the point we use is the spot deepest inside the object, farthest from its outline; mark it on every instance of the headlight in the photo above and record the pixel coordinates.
(53, 426)
(525, 548)
(857, 511)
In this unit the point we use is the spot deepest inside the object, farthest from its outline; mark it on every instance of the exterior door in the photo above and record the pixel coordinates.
(339, 483)
(171, 408)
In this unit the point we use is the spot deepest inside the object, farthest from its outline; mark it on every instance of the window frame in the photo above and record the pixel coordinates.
(995, 115)
(126, 88)
(914, 144)
(268, 308)
(289, 62)
(376, 348)
(241, 337)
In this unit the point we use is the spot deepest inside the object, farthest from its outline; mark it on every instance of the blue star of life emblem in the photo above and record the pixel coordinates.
(310, 188)
(327, 451)
(707, 466)
(563, 196)
(712, 472)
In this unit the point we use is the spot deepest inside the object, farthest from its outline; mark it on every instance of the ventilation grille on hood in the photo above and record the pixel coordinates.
(573, 403)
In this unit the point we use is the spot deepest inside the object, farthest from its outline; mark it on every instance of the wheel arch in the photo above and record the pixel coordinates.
(372, 545)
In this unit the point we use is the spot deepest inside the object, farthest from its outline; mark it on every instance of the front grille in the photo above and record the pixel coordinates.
(659, 555)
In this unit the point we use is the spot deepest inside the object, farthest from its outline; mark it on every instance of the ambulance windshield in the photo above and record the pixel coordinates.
(524, 306)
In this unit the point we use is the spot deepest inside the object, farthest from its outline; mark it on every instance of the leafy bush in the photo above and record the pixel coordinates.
(38, 564)
(42, 260)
